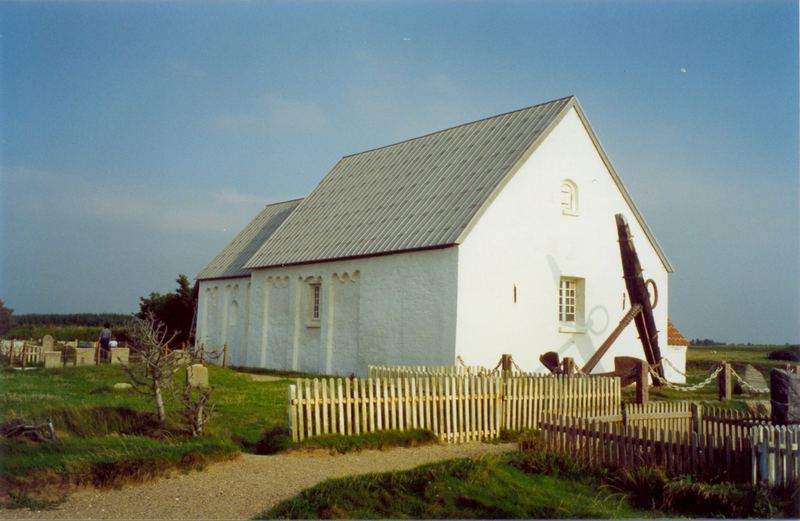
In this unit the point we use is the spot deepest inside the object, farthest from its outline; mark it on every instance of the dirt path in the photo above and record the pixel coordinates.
(242, 488)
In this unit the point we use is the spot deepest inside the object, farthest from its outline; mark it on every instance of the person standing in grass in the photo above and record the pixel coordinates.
(105, 339)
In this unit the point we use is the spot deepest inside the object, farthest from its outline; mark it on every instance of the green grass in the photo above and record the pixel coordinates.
(107, 436)
(490, 487)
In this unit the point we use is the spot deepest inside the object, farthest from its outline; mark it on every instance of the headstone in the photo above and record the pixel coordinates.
(119, 355)
(71, 343)
(52, 359)
(84, 356)
(48, 342)
(784, 397)
(182, 357)
(121, 386)
(197, 375)
(754, 378)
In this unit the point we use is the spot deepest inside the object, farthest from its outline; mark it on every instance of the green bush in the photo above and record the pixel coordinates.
(687, 497)
(789, 354)
(644, 486)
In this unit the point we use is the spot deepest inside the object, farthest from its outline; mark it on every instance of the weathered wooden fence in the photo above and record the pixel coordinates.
(526, 398)
(455, 408)
(736, 424)
(728, 445)
(776, 454)
(703, 456)
(22, 352)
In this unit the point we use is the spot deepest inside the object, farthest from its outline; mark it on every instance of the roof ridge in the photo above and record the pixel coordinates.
(284, 202)
(458, 126)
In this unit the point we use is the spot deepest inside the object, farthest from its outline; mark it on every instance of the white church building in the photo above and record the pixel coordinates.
(496, 236)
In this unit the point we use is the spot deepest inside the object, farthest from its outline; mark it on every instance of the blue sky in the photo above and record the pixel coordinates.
(137, 138)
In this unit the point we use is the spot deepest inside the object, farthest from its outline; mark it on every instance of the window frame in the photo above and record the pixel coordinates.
(314, 304)
(568, 189)
(571, 305)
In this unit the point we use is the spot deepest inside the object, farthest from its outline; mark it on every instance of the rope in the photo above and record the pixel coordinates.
(747, 385)
(687, 388)
(673, 367)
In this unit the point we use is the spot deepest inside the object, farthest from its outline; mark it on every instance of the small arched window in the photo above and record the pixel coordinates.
(233, 313)
(569, 198)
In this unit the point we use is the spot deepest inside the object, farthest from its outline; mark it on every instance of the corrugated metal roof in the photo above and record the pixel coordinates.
(230, 261)
(416, 194)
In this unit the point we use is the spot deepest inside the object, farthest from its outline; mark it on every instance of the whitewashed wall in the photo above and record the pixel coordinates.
(676, 355)
(524, 240)
(396, 309)
(223, 315)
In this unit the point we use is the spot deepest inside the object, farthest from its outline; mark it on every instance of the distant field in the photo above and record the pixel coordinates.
(63, 333)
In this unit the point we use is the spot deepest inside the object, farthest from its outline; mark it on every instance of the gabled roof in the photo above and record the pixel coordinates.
(231, 260)
(422, 193)
(674, 337)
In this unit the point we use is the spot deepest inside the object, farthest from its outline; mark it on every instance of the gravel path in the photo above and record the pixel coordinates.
(242, 488)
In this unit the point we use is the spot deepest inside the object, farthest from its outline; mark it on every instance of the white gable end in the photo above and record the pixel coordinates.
(512, 261)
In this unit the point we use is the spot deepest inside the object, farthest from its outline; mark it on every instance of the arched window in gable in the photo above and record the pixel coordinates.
(569, 197)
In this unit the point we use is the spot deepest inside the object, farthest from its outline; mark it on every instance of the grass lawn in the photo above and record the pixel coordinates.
(489, 488)
(100, 428)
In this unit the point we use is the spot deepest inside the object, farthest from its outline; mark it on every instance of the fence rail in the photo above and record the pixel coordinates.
(455, 408)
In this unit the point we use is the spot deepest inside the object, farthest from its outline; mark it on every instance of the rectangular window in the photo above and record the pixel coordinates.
(567, 301)
(315, 301)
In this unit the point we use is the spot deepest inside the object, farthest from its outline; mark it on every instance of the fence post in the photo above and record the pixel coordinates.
(642, 389)
(724, 382)
(697, 418)
(505, 363)
(225, 355)
(568, 366)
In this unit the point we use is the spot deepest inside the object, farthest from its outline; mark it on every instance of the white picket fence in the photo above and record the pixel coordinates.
(455, 408)
(32, 353)
(776, 454)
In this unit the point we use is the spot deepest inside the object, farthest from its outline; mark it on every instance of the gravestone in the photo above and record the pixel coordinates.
(84, 356)
(784, 397)
(197, 375)
(48, 342)
(52, 359)
(119, 355)
(754, 378)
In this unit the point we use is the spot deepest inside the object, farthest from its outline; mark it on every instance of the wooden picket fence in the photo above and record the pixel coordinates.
(455, 408)
(736, 424)
(776, 454)
(411, 371)
(526, 398)
(707, 457)
(23, 352)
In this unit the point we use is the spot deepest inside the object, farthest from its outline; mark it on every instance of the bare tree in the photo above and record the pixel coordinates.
(196, 410)
(154, 375)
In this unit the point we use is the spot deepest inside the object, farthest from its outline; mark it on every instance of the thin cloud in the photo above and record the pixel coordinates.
(273, 113)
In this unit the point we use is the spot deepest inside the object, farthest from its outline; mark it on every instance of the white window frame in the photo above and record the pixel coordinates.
(568, 197)
(314, 305)
(571, 295)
